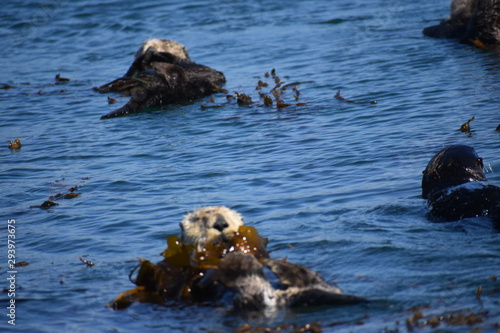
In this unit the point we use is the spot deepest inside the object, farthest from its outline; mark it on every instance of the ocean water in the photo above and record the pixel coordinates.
(333, 185)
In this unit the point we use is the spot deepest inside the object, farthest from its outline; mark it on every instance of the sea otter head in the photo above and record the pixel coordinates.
(461, 11)
(163, 45)
(210, 225)
(452, 166)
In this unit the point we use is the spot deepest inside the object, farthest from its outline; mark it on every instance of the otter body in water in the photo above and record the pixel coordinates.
(216, 252)
(243, 272)
(161, 74)
(455, 187)
(254, 294)
(472, 21)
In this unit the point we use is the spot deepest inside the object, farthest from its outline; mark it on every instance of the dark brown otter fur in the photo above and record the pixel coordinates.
(453, 184)
(472, 21)
(159, 78)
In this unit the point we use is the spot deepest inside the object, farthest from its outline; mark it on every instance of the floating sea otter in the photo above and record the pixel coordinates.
(161, 74)
(215, 252)
(472, 21)
(454, 185)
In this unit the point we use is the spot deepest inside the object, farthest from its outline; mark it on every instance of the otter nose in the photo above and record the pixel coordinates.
(220, 224)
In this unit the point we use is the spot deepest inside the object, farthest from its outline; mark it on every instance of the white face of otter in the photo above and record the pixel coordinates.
(163, 45)
(461, 9)
(209, 225)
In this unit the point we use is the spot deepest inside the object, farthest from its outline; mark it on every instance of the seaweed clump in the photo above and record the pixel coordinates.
(15, 144)
(188, 273)
(460, 318)
(465, 128)
(69, 194)
(341, 98)
(267, 96)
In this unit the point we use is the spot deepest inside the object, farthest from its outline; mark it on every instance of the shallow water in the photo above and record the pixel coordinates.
(333, 185)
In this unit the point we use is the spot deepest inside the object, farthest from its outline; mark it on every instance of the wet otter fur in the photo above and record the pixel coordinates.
(210, 225)
(472, 21)
(454, 185)
(244, 274)
(162, 73)
(238, 270)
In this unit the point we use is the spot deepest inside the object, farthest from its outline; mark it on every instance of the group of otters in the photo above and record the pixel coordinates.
(216, 252)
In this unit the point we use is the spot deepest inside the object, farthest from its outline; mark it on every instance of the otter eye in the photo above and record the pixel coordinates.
(220, 224)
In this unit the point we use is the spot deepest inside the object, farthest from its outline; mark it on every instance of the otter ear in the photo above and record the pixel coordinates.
(182, 227)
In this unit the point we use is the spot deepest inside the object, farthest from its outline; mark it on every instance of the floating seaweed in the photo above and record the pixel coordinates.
(261, 84)
(268, 101)
(112, 100)
(460, 318)
(61, 79)
(70, 194)
(46, 204)
(86, 262)
(21, 263)
(277, 96)
(280, 87)
(277, 92)
(340, 98)
(64, 196)
(15, 144)
(243, 99)
(186, 272)
(297, 93)
(479, 292)
(465, 128)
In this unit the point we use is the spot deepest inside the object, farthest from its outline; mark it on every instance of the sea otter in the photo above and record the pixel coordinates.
(244, 272)
(472, 21)
(217, 252)
(455, 187)
(210, 225)
(162, 73)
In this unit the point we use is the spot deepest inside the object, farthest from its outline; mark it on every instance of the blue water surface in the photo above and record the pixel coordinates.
(333, 185)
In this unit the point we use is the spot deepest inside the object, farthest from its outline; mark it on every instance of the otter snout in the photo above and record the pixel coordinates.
(221, 223)
(210, 224)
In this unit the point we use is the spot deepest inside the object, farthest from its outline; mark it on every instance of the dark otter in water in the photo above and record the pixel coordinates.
(472, 21)
(454, 185)
(161, 74)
